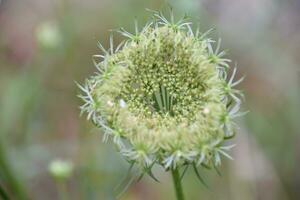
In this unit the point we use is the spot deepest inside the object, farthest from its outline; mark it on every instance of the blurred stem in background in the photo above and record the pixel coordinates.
(62, 190)
(177, 184)
(61, 170)
(3, 193)
(17, 109)
(8, 177)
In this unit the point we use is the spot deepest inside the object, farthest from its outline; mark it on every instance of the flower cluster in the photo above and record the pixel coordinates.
(164, 97)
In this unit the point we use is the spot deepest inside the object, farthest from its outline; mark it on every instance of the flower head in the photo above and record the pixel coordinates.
(163, 96)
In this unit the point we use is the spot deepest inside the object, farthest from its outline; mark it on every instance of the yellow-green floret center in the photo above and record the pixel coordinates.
(170, 76)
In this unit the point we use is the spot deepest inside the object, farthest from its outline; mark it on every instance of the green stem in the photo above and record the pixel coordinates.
(62, 190)
(8, 176)
(177, 184)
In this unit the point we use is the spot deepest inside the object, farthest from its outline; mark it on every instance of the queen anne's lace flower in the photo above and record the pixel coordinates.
(163, 96)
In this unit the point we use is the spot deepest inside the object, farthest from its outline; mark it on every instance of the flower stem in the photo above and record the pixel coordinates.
(177, 184)
(62, 190)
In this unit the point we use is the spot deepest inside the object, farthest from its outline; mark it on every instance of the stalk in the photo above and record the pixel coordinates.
(177, 184)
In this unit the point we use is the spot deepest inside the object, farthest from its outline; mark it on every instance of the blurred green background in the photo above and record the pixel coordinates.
(46, 45)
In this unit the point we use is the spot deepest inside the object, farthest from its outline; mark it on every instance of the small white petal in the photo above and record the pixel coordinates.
(122, 103)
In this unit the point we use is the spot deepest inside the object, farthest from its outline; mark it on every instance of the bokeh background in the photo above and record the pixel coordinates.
(46, 45)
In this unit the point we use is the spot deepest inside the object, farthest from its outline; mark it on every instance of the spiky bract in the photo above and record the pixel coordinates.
(163, 96)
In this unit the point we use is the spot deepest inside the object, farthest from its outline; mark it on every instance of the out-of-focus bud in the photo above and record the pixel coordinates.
(48, 35)
(61, 169)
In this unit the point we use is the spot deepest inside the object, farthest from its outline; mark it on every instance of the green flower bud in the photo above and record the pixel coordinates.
(60, 169)
(163, 96)
(48, 35)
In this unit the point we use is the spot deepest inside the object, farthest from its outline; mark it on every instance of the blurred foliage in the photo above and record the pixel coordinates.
(39, 115)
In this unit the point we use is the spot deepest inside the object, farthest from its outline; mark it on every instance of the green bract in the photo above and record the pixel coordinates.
(164, 97)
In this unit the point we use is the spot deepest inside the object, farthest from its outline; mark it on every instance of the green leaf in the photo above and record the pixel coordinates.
(148, 170)
(217, 170)
(126, 177)
(199, 177)
(184, 171)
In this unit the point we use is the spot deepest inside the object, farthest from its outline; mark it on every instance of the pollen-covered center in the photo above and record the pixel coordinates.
(169, 75)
